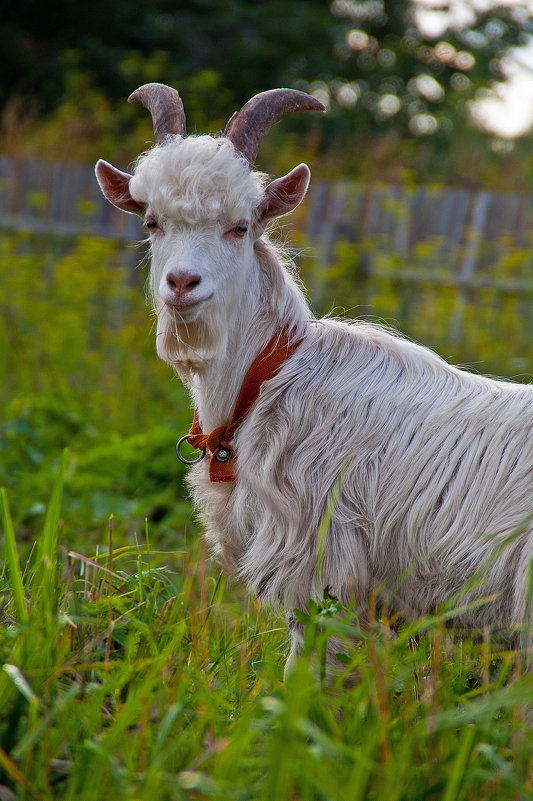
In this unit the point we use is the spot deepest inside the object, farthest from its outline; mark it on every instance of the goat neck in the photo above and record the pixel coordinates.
(271, 303)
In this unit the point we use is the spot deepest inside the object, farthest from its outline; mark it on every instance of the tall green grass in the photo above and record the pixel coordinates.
(126, 678)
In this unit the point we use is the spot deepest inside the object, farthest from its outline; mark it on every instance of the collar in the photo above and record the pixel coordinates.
(222, 464)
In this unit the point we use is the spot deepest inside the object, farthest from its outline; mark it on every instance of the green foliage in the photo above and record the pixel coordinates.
(127, 44)
(124, 678)
(395, 94)
(487, 324)
(396, 75)
(78, 370)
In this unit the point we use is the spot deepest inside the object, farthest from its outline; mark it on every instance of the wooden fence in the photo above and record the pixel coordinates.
(472, 248)
(44, 196)
(439, 235)
(398, 251)
(470, 231)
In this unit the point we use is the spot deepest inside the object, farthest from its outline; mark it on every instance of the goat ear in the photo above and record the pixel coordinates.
(115, 186)
(284, 194)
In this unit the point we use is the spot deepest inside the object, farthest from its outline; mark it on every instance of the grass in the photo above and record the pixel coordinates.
(78, 370)
(133, 674)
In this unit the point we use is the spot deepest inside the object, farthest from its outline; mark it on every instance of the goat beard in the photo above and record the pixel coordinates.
(188, 344)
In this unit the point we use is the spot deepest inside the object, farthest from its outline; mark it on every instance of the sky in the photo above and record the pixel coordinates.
(506, 110)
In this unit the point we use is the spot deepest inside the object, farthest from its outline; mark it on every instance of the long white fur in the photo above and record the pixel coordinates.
(439, 462)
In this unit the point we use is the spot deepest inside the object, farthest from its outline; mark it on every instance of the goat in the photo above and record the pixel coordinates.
(436, 462)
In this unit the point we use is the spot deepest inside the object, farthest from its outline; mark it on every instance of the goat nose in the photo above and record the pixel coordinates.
(183, 282)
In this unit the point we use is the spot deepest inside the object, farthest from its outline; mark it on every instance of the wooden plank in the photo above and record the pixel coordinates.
(419, 201)
(331, 221)
(69, 195)
(57, 188)
(352, 212)
(523, 222)
(14, 185)
(402, 223)
(316, 204)
(500, 230)
(459, 215)
(61, 228)
(511, 208)
(371, 211)
(446, 247)
(433, 213)
(4, 186)
(409, 276)
(480, 209)
(37, 182)
(389, 210)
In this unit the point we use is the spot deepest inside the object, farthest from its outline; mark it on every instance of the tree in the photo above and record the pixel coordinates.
(415, 66)
(398, 74)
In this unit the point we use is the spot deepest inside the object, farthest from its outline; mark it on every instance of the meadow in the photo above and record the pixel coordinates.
(130, 668)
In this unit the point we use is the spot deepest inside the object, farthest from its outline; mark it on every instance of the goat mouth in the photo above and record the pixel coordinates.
(185, 304)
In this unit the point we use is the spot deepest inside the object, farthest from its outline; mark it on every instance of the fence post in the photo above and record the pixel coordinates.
(464, 279)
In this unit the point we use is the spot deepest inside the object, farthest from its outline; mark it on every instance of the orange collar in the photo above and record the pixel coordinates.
(264, 367)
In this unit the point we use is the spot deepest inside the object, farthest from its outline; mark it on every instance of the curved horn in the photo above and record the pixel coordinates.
(249, 126)
(166, 108)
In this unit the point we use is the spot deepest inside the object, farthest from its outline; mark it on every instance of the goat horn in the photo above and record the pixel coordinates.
(165, 106)
(248, 127)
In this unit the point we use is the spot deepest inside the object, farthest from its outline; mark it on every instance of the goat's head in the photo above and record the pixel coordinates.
(204, 207)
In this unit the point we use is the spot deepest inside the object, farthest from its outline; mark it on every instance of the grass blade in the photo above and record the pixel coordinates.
(48, 544)
(12, 559)
(459, 766)
(45, 580)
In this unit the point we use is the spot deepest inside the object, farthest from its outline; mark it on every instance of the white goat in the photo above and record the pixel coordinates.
(438, 462)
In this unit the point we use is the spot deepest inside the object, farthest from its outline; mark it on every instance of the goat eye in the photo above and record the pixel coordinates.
(151, 223)
(240, 230)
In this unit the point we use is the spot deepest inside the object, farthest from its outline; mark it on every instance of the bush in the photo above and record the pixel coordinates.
(79, 370)
(488, 325)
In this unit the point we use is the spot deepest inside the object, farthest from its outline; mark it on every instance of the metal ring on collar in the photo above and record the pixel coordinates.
(182, 458)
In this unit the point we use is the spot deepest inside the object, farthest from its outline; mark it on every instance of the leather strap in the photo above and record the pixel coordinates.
(218, 442)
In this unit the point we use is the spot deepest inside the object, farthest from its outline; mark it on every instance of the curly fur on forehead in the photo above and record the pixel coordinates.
(200, 178)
